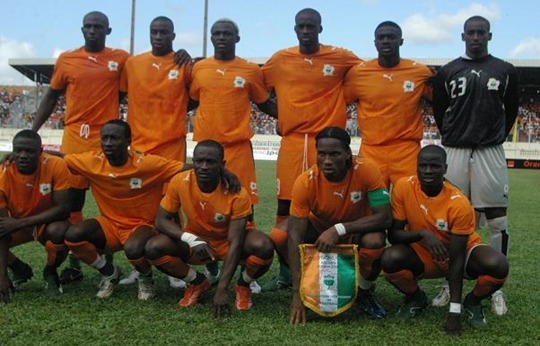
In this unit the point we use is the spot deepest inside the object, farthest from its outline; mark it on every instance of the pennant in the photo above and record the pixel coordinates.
(328, 281)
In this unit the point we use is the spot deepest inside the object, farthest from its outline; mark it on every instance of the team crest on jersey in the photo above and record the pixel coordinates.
(239, 82)
(356, 196)
(408, 86)
(441, 225)
(493, 84)
(44, 189)
(328, 70)
(135, 183)
(218, 217)
(113, 65)
(173, 74)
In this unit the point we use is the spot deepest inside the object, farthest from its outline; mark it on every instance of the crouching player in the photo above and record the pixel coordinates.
(339, 200)
(215, 230)
(433, 235)
(34, 204)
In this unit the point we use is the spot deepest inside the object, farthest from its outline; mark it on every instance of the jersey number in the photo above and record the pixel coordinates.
(458, 87)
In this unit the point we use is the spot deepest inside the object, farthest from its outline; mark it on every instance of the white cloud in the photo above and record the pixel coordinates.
(10, 49)
(433, 29)
(188, 39)
(528, 48)
(57, 52)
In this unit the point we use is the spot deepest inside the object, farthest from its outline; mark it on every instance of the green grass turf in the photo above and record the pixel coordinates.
(77, 317)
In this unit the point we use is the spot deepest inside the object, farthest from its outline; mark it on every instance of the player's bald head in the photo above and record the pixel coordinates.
(433, 150)
(28, 134)
(210, 144)
(98, 15)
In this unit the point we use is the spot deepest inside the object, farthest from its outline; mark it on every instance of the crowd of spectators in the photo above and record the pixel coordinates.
(18, 106)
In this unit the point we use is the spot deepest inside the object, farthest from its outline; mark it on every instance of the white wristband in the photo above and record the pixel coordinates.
(340, 229)
(191, 239)
(455, 308)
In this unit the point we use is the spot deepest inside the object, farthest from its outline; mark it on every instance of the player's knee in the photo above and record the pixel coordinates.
(75, 234)
(261, 246)
(55, 232)
(496, 265)
(391, 259)
(134, 249)
(374, 240)
(153, 248)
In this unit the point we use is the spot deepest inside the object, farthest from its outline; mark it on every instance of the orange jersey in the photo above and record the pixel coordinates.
(225, 90)
(326, 203)
(26, 195)
(449, 212)
(91, 81)
(128, 194)
(157, 100)
(389, 109)
(208, 214)
(309, 87)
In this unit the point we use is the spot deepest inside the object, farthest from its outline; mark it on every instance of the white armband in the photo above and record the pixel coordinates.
(191, 239)
(455, 308)
(340, 229)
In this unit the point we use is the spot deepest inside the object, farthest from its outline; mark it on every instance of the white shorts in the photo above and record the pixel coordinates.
(481, 174)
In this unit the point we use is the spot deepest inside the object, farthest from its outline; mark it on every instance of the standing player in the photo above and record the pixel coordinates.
(224, 86)
(307, 80)
(339, 200)
(34, 204)
(90, 77)
(389, 91)
(127, 186)
(475, 102)
(433, 235)
(158, 95)
(215, 230)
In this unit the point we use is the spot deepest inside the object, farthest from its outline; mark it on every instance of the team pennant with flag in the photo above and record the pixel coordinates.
(328, 282)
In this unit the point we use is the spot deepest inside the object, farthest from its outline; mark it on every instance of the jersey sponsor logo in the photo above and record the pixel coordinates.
(29, 185)
(388, 76)
(456, 196)
(356, 196)
(239, 82)
(441, 225)
(221, 72)
(328, 70)
(408, 86)
(424, 208)
(173, 74)
(339, 193)
(112, 65)
(156, 65)
(44, 189)
(135, 183)
(477, 73)
(493, 84)
(309, 61)
(202, 204)
(92, 58)
(218, 217)
(113, 175)
(311, 174)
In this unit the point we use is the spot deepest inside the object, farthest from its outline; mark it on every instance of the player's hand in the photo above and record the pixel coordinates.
(221, 304)
(230, 181)
(5, 286)
(298, 311)
(327, 239)
(182, 57)
(434, 245)
(452, 326)
(203, 253)
(7, 159)
(8, 225)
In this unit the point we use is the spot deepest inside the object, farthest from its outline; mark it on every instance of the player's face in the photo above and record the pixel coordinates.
(114, 142)
(387, 41)
(161, 37)
(476, 38)
(95, 30)
(207, 164)
(332, 158)
(307, 28)
(26, 151)
(431, 169)
(224, 38)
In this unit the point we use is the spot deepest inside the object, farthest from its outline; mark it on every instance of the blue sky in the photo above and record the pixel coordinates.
(431, 29)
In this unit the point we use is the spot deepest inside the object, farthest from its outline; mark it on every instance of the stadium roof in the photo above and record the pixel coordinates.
(40, 70)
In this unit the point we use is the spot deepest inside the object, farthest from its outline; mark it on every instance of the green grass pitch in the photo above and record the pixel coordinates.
(77, 317)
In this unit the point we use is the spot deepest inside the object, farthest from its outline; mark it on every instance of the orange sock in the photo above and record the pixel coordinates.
(486, 285)
(278, 236)
(403, 280)
(141, 264)
(256, 266)
(367, 257)
(56, 253)
(173, 266)
(84, 250)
